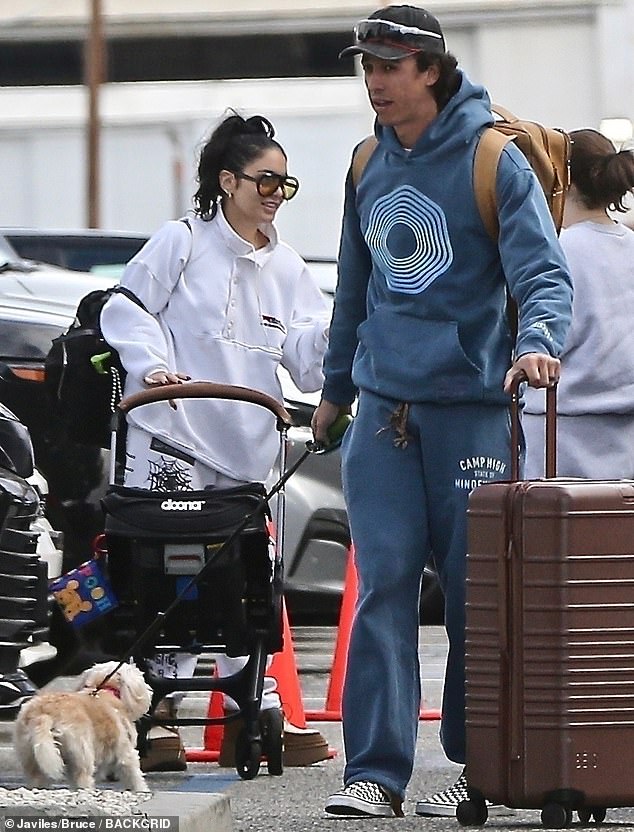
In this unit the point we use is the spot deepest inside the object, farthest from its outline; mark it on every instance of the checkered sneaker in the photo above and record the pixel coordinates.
(364, 798)
(445, 803)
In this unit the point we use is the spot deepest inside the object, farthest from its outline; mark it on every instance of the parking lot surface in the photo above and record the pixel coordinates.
(208, 798)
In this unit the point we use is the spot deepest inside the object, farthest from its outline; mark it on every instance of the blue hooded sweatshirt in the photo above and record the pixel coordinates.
(420, 307)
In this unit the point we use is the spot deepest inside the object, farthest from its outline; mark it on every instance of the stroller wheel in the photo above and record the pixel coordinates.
(248, 755)
(272, 722)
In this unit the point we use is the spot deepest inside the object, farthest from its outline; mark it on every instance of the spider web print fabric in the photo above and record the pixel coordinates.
(154, 464)
(169, 475)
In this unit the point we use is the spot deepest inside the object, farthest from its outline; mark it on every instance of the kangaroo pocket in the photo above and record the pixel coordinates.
(408, 358)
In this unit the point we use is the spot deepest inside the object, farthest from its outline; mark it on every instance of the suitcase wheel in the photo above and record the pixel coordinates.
(556, 816)
(595, 814)
(472, 812)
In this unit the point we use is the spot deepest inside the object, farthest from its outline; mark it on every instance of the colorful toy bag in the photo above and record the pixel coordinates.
(84, 593)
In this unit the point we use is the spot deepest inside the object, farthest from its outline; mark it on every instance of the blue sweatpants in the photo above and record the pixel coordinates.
(406, 499)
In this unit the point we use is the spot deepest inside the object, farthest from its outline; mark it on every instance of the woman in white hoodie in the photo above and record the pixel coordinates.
(226, 301)
(595, 397)
(223, 300)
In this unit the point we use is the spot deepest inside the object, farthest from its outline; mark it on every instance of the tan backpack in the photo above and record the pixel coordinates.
(546, 148)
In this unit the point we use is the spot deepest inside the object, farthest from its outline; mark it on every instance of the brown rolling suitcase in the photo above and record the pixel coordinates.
(550, 645)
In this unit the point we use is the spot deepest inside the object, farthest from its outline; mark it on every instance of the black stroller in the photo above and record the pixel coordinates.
(197, 571)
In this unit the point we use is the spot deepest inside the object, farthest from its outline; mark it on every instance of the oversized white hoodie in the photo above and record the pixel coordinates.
(221, 311)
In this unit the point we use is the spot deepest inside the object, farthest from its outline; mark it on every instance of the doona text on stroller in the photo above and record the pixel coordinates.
(207, 577)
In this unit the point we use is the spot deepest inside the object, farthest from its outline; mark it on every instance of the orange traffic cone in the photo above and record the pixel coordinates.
(212, 735)
(283, 668)
(302, 745)
(334, 695)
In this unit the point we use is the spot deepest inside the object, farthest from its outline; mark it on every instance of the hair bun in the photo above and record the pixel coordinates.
(260, 124)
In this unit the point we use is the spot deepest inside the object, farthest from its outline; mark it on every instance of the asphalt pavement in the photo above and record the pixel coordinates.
(207, 798)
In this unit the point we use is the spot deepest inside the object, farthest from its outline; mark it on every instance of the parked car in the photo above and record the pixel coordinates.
(86, 250)
(106, 252)
(29, 556)
(317, 535)
(37, 303)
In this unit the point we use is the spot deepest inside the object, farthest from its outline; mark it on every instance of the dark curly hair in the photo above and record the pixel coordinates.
(234, 143)
(602, 175)
(449, 77)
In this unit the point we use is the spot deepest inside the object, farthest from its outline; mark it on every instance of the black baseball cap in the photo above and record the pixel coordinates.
(395, 32)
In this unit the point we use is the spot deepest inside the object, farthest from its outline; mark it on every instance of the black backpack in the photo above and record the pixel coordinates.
(84, 374)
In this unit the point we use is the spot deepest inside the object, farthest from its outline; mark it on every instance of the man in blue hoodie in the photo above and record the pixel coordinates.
(420, 334)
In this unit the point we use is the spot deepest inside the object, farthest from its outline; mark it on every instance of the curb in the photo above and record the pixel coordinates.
(196, 812)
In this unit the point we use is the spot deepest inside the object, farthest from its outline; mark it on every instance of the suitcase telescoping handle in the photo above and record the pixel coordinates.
(551, 431)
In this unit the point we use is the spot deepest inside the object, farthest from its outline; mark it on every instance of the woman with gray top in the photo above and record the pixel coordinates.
(595, 401)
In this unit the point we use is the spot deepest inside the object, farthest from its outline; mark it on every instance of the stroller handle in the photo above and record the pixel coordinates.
(207, 390)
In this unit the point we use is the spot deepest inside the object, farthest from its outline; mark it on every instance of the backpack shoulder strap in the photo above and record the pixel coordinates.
(362, 157)
(129, 294)
(504, 114)
(485, 166)
(187, 222)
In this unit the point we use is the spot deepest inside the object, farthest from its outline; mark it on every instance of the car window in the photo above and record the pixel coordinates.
(24, 340)
(76, 253)
(7, 253)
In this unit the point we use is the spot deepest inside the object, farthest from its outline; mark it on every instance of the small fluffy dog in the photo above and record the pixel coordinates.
(88, 735)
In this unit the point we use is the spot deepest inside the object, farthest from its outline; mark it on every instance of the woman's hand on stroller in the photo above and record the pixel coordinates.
(165, 377)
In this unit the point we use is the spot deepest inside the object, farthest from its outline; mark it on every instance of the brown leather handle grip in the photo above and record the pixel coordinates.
(551, 431)
(206, 390)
